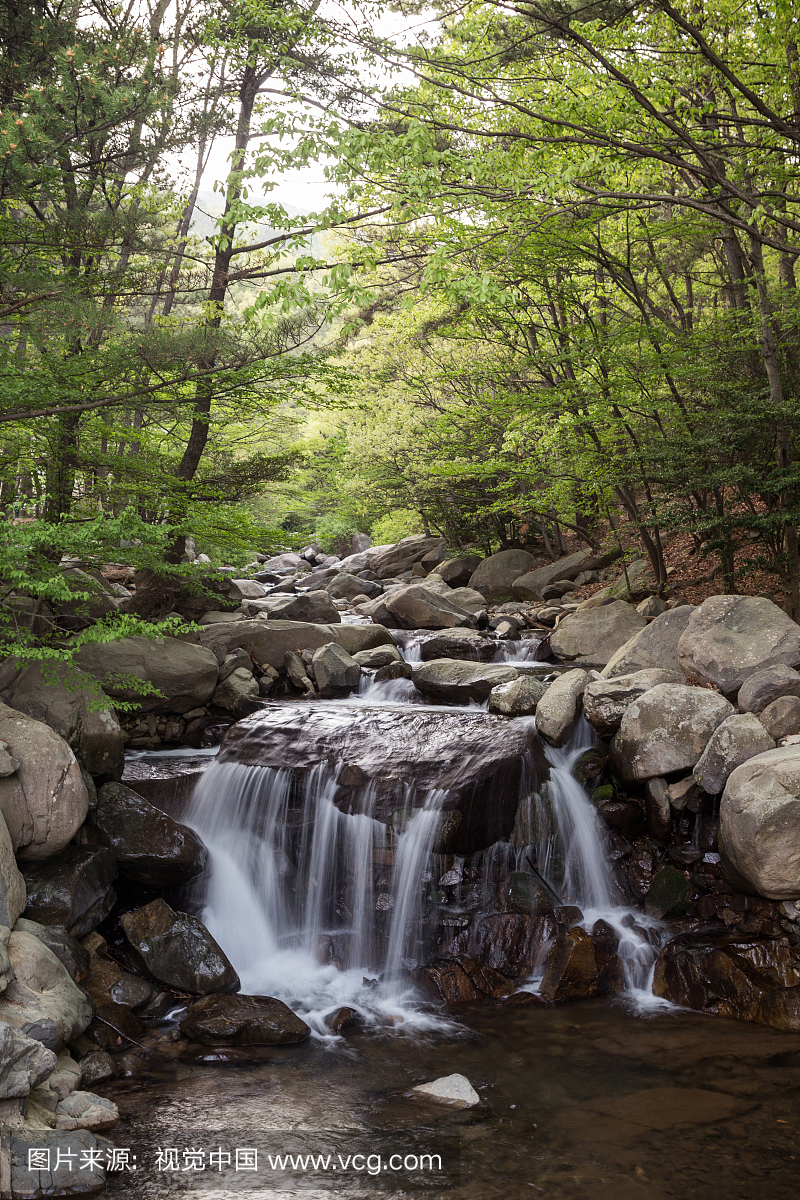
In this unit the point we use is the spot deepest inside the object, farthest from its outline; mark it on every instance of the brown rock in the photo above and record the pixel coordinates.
(243, 1021)
(571, 972)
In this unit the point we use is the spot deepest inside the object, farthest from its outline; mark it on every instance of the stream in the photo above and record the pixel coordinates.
(329, 885)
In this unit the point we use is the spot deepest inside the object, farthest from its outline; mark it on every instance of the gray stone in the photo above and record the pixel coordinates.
(468, 599)
(12, 885)
(66, 700)
(298, 673)
(184, 673)
(315, 607)
(530, 584)
(654, 646)
(335, 671)
(418, 607)
(64, 1149)
(240, 684)
(728, 638)
(402, 556)
(99, 601)
(64, 1080)
(233, 661)
(347, 587)
(148, 845)
(84, 1110)
(605, 700)
(457, 572)
(738, 738)
(658, 814)
(246, 589)
(381, 656)
(96, 1067)
(517, 698)
(595, 634)
(270, 640)
(764, 686)
(557, 710)
(24, 1063)
(759, 836)
(177, 949)
(73, 889)
(455, 1090)
(42, 1001)
(495, 576)
(67, 949)
(45, 802)
(354, 638)
(666, 730)
(653, 606)
(458, 682)
(781, 718)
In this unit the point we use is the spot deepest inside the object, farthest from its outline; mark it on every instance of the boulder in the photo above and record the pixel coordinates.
(495, 576)
(595, 634)
(185, 674)
(45, 802)
(759, 834)
(729, 638)
(269, 641)
(315, 607)
(402, 556)
(243, 1021)
(362, 559)
(148, 846)
(64, 1152)
(455, 1090)
(658, 813)
(347, 587)
(667, 729)
(239, 684)
(177, 949)
(67, 949)
(245, 589)
(466, 644)
(668, 893)
(737, 739)
(530, 584)
(381, 656)
(354, 638)
(42, 1001)
(468, 599)
(84, 1110)
(571, 972)
(653, 606)
(66, 700)
(418, 607)
(73, 889)
(457, 572)
(12, 885)
(781, 718)
(510, 942)
(335, 671)
(458, 682)
(518, 697)
(654, 646)
(557, 710)
(762, 687)
(24, 1063)
(62, 1082)
(605, 700)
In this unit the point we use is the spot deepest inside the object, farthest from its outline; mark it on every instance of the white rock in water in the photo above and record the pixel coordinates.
(452, 1089)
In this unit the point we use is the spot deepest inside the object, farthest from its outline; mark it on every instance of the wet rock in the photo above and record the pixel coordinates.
(591, 764)
(66, 700)
(148, 846)
(508, 942)
(737, 739)
(394, 560)
(759, 836)
(114, 1028)
(668, 893)
(96, 1067)
(238, 685)
(571, 972)
(658, 816)
(457, 572)
(177, 949)
(666, 730)
(640, 873)
(12, 885)
(567, 915)
(517, 698)
(381, 656)
(527, 895)
(67, 949)
(729, 638)
(184, 673)
(764, 686)
(42, 1001)
(45, 802)
(343, 1019)
(595, 634)
(420, 607)
(455, 1090)
(315, 607)
(24, 1063)
(445, 981)
(605, 700)
(393, 670)
(64, 1149)
(557, 710)
(458, 682)
(73, 889)
(609, 967)
(780, 1009)
(781, 718)
(654, 646)
(465, 644)
(335, 671)
(624, 816)
(243, 1021)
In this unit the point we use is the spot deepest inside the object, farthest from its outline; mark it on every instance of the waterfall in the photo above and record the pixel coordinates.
(571, 850)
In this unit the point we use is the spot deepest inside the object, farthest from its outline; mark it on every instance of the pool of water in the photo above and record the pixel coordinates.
(582, 1101)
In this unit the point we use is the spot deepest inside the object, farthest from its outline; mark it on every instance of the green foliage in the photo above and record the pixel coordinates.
(401, 523)
(332, 533)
